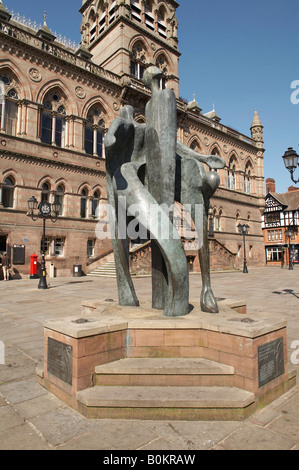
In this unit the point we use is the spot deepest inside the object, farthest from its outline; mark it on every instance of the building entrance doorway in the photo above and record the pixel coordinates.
(3, 244)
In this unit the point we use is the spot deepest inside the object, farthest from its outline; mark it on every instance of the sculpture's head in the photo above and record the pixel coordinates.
(127, 112)
(151, 75)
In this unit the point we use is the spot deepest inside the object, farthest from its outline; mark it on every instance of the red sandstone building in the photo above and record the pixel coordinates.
(60, 99)
(281, 215)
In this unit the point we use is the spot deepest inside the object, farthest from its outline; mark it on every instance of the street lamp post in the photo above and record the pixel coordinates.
(291, 161)
(43, 211)
(243, 229)
(290, 233)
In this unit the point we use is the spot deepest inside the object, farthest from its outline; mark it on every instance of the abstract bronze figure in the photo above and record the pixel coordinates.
(147, 167)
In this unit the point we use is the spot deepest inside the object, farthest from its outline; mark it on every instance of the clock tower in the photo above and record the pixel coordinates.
(127, 36)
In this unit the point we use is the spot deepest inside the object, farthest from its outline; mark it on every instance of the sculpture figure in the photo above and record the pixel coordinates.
(148, 167)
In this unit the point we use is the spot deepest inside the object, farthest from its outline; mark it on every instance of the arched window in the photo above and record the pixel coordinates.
(149, 17)
(83, 208)
(46, 188)
(8, 105)
(232, 174)
(94, 133)
(247, 179)
(53, 122)
(8, 192)
(92, 27)
(102, 16)
(60, 198)
(138, 60)
(136, 10)
(95, 205)
(161, 22)
(162, 64)
(195, 146)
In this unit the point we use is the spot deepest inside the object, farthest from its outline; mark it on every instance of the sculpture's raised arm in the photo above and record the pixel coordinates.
(213, 161)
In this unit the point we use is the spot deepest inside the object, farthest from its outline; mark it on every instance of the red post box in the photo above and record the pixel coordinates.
(33, 266)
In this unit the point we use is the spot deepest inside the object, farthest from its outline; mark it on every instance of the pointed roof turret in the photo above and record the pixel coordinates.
(44, 32)
(213, 115)
(193, 105)
(4, 13)
(256, 122)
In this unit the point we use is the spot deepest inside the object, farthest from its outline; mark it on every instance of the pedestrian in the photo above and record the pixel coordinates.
(5, 266)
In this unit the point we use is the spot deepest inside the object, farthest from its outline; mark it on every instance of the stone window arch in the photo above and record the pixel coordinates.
(138, 60)
(46, 191)
(84, 203)
(95, 204)
(94, 131)
(195, 145)
(59, 196)
(248, 178)
(9, 103)
(92, 23)
(53, 118)
(232, 178)
(136, 10)
(149, 18)
(161, 16)
(162, 64)
(8, 192)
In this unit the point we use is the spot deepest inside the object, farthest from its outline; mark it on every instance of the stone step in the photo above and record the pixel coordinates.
(173, 403)
(107, 270)
(164, 372)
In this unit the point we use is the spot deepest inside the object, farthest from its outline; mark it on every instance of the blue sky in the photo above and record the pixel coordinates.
(238, 54)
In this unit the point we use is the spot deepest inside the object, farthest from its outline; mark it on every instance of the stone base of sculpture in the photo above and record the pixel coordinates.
(133, 363)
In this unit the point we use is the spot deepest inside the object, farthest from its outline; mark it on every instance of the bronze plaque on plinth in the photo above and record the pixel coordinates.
(60, 360)
(270, 361)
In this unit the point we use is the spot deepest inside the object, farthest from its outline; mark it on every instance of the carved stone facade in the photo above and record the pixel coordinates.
(60, 101)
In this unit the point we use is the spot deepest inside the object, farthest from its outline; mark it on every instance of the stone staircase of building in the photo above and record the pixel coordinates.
(165, 388)
(107, 270)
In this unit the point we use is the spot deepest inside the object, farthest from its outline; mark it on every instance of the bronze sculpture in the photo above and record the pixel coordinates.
(148, 167)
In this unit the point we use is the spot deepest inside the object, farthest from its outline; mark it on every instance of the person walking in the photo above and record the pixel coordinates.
(5, 266)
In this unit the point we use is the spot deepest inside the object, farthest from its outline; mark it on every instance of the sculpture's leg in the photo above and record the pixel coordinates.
(195, 187)
(208, 300)
(177, 292)
(126, 292)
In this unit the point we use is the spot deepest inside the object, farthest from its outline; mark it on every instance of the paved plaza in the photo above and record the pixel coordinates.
(33, 419)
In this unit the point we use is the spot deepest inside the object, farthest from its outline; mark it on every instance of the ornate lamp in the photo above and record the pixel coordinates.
(291, 159)
(45, 211)
(243, 230)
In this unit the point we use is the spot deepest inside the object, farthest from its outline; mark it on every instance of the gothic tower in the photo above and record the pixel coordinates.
(126, 36)
(257, 132)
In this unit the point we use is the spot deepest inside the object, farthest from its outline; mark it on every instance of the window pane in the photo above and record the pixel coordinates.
(89, 140)
(59, 246)
(11, 115)
(60, 131)
(90, 248)
(99, 143)
(46, 133)
(83, 204)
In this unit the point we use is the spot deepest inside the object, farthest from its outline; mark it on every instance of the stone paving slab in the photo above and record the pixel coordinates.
(31, 418)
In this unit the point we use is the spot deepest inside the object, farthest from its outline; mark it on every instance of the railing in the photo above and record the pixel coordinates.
(57, 51)
(98, 258)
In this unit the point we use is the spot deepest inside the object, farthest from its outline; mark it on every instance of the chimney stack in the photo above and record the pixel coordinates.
(270, 185)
